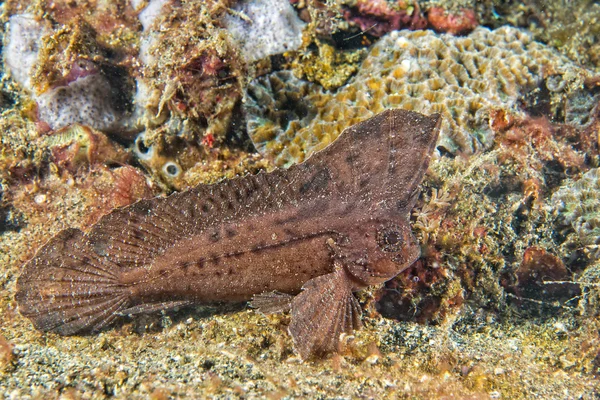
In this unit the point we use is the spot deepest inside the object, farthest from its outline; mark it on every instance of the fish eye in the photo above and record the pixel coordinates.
(390, 239)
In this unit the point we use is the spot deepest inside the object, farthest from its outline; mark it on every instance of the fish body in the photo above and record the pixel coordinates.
(303, 239)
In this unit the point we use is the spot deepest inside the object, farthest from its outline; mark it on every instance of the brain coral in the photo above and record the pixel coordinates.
(578, 204)
(464, 78)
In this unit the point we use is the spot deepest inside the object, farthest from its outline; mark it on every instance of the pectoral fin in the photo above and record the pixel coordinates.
(272, 302)
(324, 310)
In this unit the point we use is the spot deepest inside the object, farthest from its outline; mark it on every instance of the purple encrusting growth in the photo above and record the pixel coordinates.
(303, 239)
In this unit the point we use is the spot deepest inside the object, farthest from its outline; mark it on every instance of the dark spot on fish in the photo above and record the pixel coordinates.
(230, 233)
(404, 203)
(191, 211)
(239, 195)
(137, 234)
(142, 207)
(215, 237)
(184, 266)
(289, 232)
(318, 182)
(205, 207)
(401, 204)
(282, 221)
(364, 181)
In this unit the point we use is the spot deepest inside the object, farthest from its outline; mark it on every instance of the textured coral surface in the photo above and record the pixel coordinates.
(463, 78)
(578, 204)
(505, 299)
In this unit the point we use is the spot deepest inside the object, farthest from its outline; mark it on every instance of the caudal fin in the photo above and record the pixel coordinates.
(68, 288)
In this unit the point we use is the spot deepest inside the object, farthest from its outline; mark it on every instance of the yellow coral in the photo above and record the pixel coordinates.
(464, 78)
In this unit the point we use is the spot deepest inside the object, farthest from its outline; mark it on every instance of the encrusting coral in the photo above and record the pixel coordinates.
(577, 204)
(464, 78)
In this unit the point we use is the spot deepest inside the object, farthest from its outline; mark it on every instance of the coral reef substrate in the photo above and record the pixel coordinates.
(463, 78)
(503, 303)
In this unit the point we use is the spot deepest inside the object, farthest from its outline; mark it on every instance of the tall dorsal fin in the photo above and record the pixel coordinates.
(382, 160)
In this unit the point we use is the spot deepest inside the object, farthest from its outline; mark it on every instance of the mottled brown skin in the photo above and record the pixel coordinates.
(319, 230)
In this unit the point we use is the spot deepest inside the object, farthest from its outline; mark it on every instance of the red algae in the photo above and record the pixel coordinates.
(453, 22)
(543, 276)
(380, 16)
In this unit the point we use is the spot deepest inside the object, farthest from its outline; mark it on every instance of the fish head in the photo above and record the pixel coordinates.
(382, 248)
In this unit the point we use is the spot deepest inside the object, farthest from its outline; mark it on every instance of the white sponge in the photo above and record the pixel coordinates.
(21, 47)
(271, 27)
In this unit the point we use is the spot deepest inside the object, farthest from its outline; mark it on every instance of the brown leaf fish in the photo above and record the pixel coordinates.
(303, 239)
